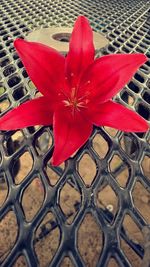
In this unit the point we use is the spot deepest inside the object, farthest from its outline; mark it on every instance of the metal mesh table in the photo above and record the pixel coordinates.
(111, 153)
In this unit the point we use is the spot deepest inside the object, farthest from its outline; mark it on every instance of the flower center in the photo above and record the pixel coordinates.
(75, 102)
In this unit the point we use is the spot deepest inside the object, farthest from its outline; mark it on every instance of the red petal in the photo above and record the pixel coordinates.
(109, 74)
(81, 50)
(33, 112)
(70, 133)
(44, 65)
(117, 116)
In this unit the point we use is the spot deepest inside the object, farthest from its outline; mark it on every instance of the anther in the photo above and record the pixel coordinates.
(66, 102)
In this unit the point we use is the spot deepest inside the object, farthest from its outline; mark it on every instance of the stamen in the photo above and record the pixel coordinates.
(81, 105)
(66, 102)
(73, 92)
(84, 96)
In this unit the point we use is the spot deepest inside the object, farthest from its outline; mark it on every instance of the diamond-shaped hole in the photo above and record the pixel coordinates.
(31, 85)
(112, 263)
(8, 234)
(90, 240)
(17, 136)
(146, 97)
(127, 98)
(38, 94)
(9, 70)
(2, 90)
(4, 62)
(20, 64)
(25, 163)
(20, 262)
(141, 198)
(3, 189)
(139, 78)
(17, 139)
(146, 166)
(4, 104)
(119, 170)
(115, 163)
(55, 173)
(87, 169)
(100, 145)
(132, 230)
(19, 92)
(13, 142)
(32, 199)
(43, 143)
(130, 145)
(107, 199)
(123, 177)
(144, 111)
(14, 81)
(46, 241)
(134, 87)
(15, 56)
(69, 201)
(25, 74)
(111, 131)
(3, 54)
(66, 262)
(34, 129)
(131, 254)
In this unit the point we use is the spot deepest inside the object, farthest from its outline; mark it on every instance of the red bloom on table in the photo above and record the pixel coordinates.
(77, 91)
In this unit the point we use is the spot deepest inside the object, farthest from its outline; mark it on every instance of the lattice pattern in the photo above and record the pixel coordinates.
(97, 188)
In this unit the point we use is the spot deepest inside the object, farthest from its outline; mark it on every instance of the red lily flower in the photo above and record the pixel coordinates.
(76, 90)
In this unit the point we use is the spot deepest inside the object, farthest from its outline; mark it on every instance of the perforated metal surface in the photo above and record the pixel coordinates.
(126, 24)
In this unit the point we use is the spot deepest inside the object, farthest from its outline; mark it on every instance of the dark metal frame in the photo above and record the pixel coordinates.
(127, 26)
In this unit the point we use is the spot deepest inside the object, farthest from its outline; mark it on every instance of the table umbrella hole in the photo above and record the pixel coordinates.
(62, 37)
